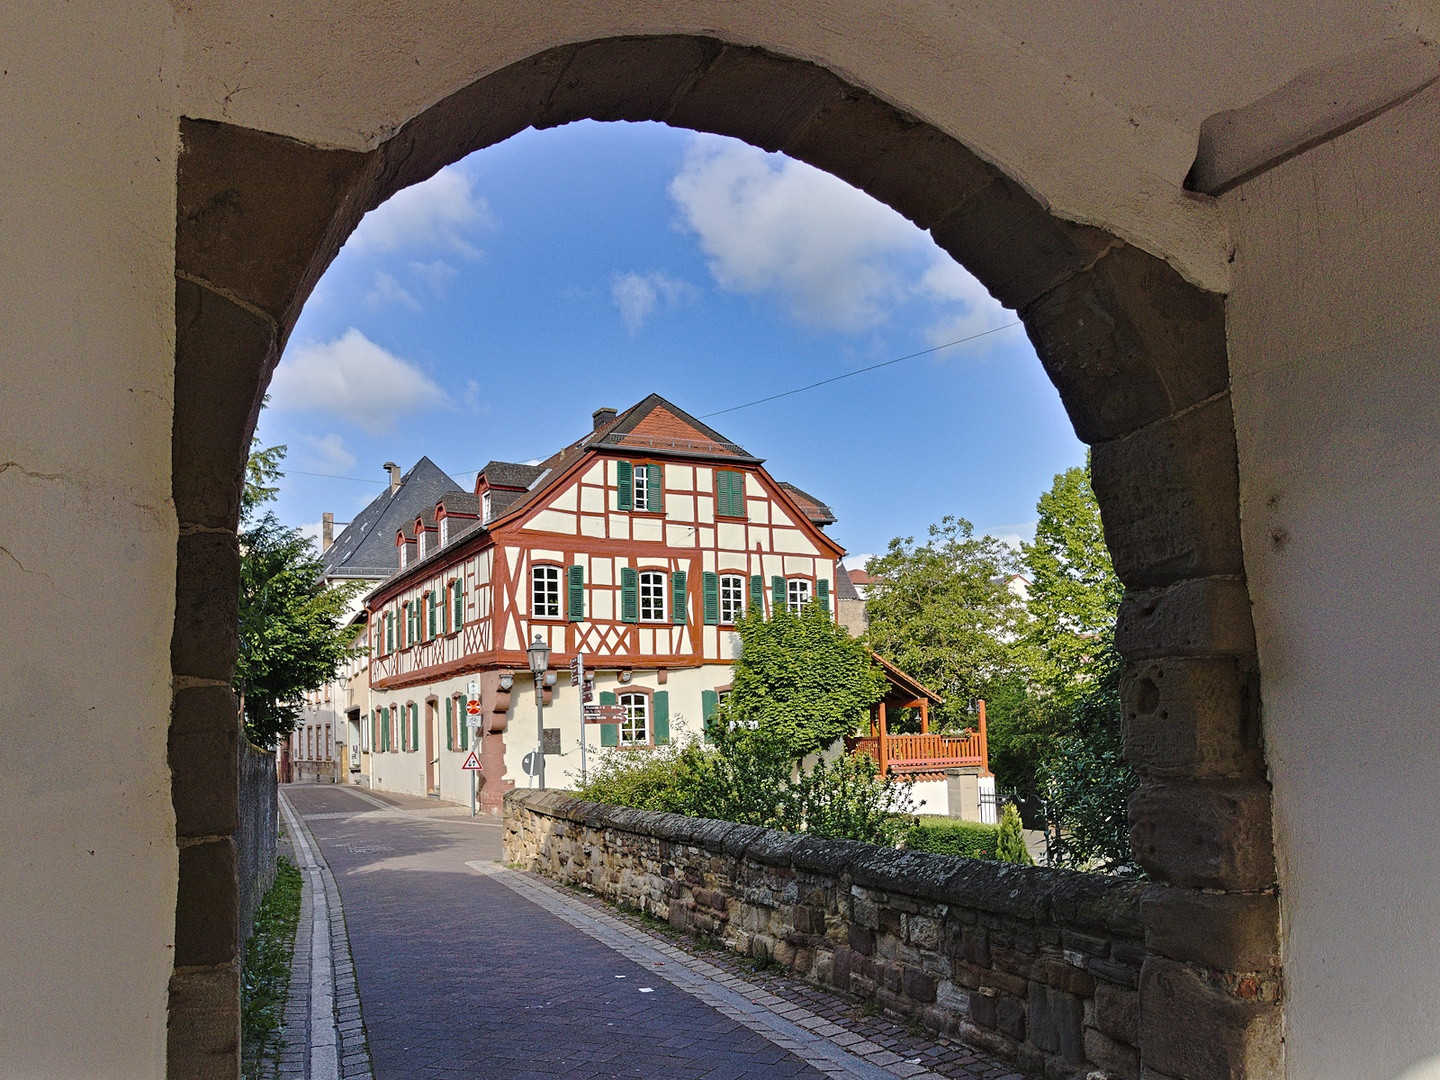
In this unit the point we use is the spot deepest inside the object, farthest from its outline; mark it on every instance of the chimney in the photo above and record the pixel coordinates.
(602, 417)
(394, 471)
(327, 530)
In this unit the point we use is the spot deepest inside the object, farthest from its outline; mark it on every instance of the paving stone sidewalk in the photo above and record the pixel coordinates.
(468, 969)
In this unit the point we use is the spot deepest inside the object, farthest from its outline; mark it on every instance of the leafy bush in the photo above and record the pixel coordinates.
(1011, 841)
(951, 836)
(802, 679)
(750, 778)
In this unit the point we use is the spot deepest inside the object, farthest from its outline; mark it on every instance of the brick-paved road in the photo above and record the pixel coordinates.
(460, 977)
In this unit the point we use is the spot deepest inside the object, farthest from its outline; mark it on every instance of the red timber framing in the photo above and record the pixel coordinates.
(577, 517)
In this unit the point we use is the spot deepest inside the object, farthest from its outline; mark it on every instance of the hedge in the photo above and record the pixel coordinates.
(951, 836)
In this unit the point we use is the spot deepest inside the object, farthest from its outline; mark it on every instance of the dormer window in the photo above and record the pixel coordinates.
(444, 531)
(420, 542)
(485, 513)
(403, 548)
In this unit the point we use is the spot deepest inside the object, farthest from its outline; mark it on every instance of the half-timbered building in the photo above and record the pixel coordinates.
(639, 545)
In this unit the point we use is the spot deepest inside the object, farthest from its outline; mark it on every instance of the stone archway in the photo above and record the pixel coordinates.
(1137, 352)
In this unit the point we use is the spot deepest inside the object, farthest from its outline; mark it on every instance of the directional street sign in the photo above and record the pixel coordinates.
(604, 714)
(587, 693)
(472, 763)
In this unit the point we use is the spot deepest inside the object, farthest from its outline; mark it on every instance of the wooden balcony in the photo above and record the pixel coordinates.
(922, 753)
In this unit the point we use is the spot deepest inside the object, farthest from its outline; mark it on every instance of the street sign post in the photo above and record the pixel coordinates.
(604, 714)
(472, 708)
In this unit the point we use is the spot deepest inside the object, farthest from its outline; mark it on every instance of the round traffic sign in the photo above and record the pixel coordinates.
(472, 707)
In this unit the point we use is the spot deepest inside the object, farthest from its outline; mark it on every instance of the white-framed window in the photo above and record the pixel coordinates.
(797, 594)
(652, 596)
(642, 488)
(420, 543)
(635, 728)
(732, 598)
(444, 531)
(545, 592)
(485, 509)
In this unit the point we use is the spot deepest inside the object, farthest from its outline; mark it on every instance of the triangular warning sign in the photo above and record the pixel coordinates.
(472, 763)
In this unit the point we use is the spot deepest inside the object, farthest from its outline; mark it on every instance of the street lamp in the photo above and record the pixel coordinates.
(539, 654)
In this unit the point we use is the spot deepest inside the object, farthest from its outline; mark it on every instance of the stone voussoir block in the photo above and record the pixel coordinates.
(1197, 617)
(1205, 835)
(1228, 931)
(1188, 717)
(1191, 1028)
(1169, 498)
(1129, 341)
(204, 756)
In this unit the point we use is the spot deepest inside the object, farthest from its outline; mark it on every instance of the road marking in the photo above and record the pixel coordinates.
(757, 1009)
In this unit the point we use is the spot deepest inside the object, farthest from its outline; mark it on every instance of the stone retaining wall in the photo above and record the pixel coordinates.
(1041, 966)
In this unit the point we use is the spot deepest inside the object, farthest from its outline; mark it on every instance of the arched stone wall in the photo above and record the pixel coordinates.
(1137, 352)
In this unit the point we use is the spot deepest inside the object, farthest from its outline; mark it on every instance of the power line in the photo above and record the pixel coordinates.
(859, 371)
(748, 404)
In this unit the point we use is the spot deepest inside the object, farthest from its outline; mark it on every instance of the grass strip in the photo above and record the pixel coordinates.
(265, 976)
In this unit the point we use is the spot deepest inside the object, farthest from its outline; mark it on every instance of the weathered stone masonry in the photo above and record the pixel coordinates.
(1043, 966)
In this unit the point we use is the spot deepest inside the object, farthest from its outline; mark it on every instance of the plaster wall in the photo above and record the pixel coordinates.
(87, 537)
(1334, 327)
(1015, 79)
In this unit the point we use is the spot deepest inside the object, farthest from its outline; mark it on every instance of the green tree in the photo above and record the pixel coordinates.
(1010, 845)
(801, 680)
(293, 636)
(940, 611)
(1074, 593)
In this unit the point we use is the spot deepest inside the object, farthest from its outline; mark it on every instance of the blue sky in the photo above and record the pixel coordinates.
(485, 313)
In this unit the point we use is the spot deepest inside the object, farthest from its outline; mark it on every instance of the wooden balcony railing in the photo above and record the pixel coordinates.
(909, 753)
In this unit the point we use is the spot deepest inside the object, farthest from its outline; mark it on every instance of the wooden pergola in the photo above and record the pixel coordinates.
(911, 753)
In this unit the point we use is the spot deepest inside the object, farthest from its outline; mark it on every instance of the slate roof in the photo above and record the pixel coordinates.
(815, 510)
(844, 587)
(511, 474)
(366, 547)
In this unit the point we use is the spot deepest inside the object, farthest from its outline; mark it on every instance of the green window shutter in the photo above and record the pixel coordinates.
(625, 478)
(822, 593)
(661, 703)
(449, 723)
(711, 583)
(629, 594)
(757, 594)
(737, 494)
(389, 633)
(679, 601)
(457, 606)
(575, 593)
(609, 733)
(709, 706)
(414, 726)
(655, 489)
(722, 493)
(384, 733)
(464, 723)
(434, 612)
(777, 594)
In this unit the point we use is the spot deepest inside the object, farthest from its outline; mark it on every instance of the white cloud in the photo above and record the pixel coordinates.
(856, 562)
(637, 294)
(327, 453)
(434, 214)
(313, 532)
(435, 274)
(353, 377)
(387, 290)
(840, 259)
(768, 222)
(1013, 536)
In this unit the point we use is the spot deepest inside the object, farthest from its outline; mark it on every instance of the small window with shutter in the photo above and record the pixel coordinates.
(609, 733)
(679, 600)
(777, 594)
(710, 588)
(822, 594)
(729, 494)
(757, 593)
(625, 485)
(629, 594)
(575, 593)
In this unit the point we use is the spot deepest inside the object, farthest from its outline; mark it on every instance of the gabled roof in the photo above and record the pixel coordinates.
(510, 474)
(366, 547)
(656, 424)
(653, 425)
(815, 510)
(905, 685)
(844, 587)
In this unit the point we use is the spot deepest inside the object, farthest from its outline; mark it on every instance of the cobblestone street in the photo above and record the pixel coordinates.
(466, 969)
